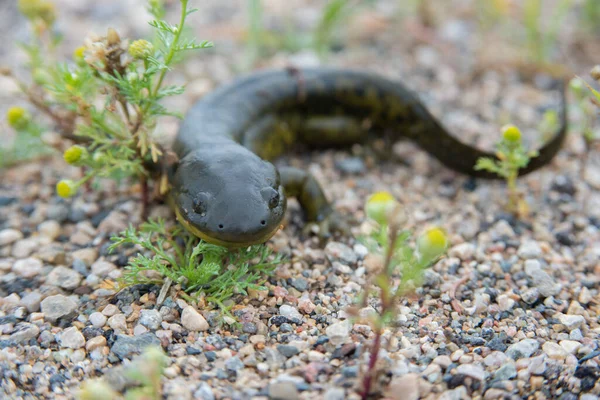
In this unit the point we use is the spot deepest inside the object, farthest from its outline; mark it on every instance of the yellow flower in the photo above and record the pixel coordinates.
(66, 188)
(75, 154)
(511, 134)
(379, 207)
(17, 117)
(43, 10)
(141, 49)
(432, 244)
(78, 53)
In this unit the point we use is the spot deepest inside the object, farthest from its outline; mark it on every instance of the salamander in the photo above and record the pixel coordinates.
(224, 188)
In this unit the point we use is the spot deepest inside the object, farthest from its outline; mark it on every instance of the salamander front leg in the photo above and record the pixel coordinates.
(304, 187)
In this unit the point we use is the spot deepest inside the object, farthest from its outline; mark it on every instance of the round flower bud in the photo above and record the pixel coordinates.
(17, 117)
(511, 133)
(75, 154)
(78, 54)
(432, 244)
(380, 207)
(66, 188)
(141, 49)
(595, 73)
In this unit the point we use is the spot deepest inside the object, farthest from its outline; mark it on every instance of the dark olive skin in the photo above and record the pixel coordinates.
(225, 190)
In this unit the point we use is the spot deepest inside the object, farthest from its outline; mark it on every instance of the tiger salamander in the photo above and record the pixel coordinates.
(224, 188)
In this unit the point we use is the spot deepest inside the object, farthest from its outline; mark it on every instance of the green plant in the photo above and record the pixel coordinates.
(108, 99)
(588, 107)
(28, 142)
(199, 267)
(146, 371)
(392, 246)
(591, 14)
(512, 156)
(541, 38)
(333, 14)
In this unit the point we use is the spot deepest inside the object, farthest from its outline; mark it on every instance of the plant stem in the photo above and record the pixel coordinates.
(372, 363)
(173, 46)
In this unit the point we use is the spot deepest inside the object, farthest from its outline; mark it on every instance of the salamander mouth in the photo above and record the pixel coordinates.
(244, 240)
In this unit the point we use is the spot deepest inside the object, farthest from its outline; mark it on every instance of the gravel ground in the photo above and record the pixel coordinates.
(511, 313)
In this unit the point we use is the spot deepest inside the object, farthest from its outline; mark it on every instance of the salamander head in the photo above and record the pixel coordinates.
(228, 196)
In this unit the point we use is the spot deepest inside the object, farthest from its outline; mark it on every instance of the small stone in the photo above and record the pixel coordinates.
(110, 310)
(541, 279)
(234, 364)
(570, 346)
(151, 319)
(351, 165)
(339, 251)
(290, 312)
(24, 248)
(139, 330)
(98, 320)
(571, 321)
(118, 322)
(338, 333)
(8, 236)
(102, 268)
(49, 229)
(404, 387)
(471, 370)
(24, 332)
(585, 296)
(529, 249)
(506, 372)
(71, 338)
(537, 365)
(27, 268)
(192, 320)
(463, 251)
(95, 343)
(523, 349)
(334, 394)
(57, 306)
(88, 255)
(204, 392)
(531, 295)
(31, 301)
(554, 351)
(283, 391)
(128, 346)
(63, 277)
(505, 303)
(287, 350)
(442, 361)
(300, 284)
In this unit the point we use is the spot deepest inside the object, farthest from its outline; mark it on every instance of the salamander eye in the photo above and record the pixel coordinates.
(271, 196)
(199, 204)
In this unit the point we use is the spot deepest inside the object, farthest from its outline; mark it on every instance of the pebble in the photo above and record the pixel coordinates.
(287, 350)
(103, 268)
(94, 343)
(58, 306)
(110, 310)
(24, 248)
(8, 236)
(49, 229)
(64, 277)
(204, 392)
(404, 387)
(554, 350)
(31, 301)
(523, 349)
(529, 249)
(128, 346)
(151, 319)
(335, 394)
(541, 279)
(506, 372)
(234, 364)
(290, 312)
(472, 370)
(118, 322)
(97, 319)
(71, 338)
(283, 391)
(339, 251)
(570, 346)
(463, 251)
(338, 333)
(571, 321)
(24, 332)
(28, 267)
(192, 320)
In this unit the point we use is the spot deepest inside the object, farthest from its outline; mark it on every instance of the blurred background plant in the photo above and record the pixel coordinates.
(399, 271)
